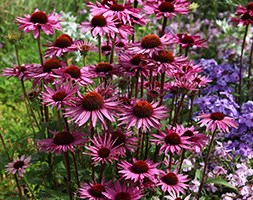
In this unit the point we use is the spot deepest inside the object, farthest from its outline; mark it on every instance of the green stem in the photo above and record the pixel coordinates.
(112, 51)
(76, 169)
(29, 187)
(18, 186)
(99, 49)
(17, 55)
(66, 155)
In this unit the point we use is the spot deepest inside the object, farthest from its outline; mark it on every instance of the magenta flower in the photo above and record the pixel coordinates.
(164, 8)
(173, 196)
(17, 71)
(18, 166)
(217, 120)
(139, 170)
(100, 25)
(92, 106)
(143, 114)
(63, 94)
(94, 191)
(244, 15)
(102, 150)
(102, 69)
(39, 20)
(171, 141)
(196, 139)
(62, 141)
(123, 192)
(84, 47)
(75, 74)
(151, 44)
(187, 40)
(171, 181)
(62, 44)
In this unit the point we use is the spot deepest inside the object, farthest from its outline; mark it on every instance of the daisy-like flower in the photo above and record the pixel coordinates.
(39, 20)
(173, 196)
(60, 96)
(143, 114)
(17, 71)
(18, 166)
(244, 15)
(75, 74)
(92, 106)
(99, 25)
(124, 139)
(123, 192)
(84, 47)
(171, 141)
(62, 141)
(138, 170)
(102, 69)
(187, 40)
(94, 191)
(165, 60)
(171, 181)
(164, 8)
(102, 150)
(196, 139)
(151, 44)
(62, 44)
(217, 120)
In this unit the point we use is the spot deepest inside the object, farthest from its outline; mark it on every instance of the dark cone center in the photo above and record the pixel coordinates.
(19, 164)
(188, 133)
(164, 56)
(186, 39)
(217, 116)
(96, 191)
(166, 7)
(59, 96)
(104, 152)
(103, 67)
(63, 138)
(51, 64)
(63, 41)
(172, 138)
(123, 196)
(143, 109)
(151, 41)
(39, 17)
(73, 71)
(92, 101)
(139, 167)
(98, 20)
(117, 7)
(170, 179)
(136, 59)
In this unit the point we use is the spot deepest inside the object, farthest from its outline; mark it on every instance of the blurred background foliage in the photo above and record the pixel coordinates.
(14, 122)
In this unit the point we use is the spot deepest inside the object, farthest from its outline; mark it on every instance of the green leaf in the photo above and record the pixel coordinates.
(220, 181)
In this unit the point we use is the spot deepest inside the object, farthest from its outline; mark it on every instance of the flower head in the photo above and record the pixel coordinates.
(217, 120)
(39, 21)
(244, 14)
(18, 166)
(17, 71)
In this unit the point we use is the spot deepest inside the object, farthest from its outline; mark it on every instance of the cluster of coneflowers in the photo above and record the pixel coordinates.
(114, 110)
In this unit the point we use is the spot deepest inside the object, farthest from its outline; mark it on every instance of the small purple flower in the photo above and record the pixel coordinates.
(18, 166)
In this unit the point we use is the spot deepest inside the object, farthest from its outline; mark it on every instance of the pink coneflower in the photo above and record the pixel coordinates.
(18, 166)
(124, 139)
(60, 96)
(62, 44)
(173, 196)
(103, 150)
(151, 44)
(197, 140)
(84, 47)
(100, 25)
(123, 192)
(102, 69)
(171, 141)
(138, 170)
(17, 71)
(171, 181)
(93, 106)
(62, 141)
(244, 15)
(94, 191)
(165, 60)
(187, 40)
(164, 8)
(198, 80)
(217, 120)
(75, 74)
(39, 20)
(143, 114)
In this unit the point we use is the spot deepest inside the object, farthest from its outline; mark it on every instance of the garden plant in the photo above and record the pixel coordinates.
(126, 100)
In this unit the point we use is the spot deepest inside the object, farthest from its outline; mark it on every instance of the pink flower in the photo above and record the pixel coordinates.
(18, 166)
(17, 71)
(84, 47)
(139, 170)
(245, 15)
(171, 181)
(187, 40)
(39, 20)
(62, 141)
(173, 196)
(60, 96)
(217, 120)
(123, 192)
(171, 141)
(62, 44)
(102, 69)
(100, 25)
(163, 8)
(94, 191)
(143, 114)
(92, 106)
(102, 150)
